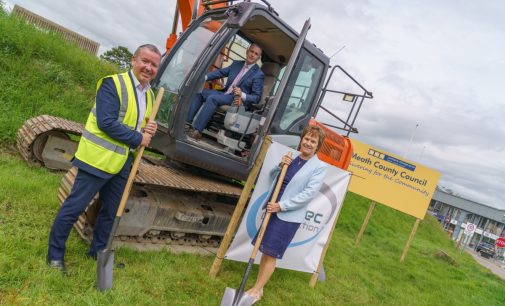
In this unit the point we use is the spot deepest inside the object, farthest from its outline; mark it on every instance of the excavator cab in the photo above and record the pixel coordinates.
(172, 204)
(294, 72)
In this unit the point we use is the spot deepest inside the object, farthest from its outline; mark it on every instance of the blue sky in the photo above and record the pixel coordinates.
(436, 64)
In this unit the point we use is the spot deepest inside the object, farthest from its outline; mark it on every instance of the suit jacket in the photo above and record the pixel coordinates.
(107, 112)
(302, 188)
(251, 83)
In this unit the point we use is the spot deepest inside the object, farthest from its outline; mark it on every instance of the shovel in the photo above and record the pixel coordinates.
(232, 297)
(105, 257)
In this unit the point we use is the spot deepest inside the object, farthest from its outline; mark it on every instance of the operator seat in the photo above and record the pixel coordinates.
(235, 127)
(271, 71)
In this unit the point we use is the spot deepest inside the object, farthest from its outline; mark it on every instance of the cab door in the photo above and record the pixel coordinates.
(299, 100)
(287, 73)
(276, 109)
(296, 94)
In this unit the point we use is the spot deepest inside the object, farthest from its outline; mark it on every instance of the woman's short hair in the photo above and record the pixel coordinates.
(315, 130)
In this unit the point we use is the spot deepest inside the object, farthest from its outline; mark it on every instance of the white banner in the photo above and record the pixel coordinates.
(304, 252)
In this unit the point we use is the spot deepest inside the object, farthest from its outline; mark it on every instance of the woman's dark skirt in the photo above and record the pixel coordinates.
(278, 236)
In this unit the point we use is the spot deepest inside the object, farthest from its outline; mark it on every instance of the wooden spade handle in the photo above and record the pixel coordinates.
(268, 214)
(136, 162)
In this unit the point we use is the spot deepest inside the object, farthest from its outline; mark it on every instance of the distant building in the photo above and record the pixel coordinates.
(81, 41)
(454, 213)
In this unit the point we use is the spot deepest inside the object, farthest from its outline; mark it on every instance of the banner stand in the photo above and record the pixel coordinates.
(365, 222)
(315, 275)
(411, 237)
(239, 209)
(465, 242)
(367, 219)
(463, 236)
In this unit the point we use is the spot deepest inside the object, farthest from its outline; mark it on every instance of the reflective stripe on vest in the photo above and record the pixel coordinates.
(99, 150)
(103, 143)
(124, 97)
(124, 106)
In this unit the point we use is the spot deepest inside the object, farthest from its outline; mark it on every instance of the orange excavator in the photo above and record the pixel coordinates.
(187, 197)
(187, 10)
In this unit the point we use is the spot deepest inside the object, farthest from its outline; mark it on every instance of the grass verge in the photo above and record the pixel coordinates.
(370, 274)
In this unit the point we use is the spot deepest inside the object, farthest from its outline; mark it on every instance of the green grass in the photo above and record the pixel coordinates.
(370, 274)
(43, 74)
(40, 73)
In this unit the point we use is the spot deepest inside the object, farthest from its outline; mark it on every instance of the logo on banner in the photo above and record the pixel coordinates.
(314, 223)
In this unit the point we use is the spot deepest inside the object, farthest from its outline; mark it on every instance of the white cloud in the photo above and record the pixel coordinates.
(435, 63)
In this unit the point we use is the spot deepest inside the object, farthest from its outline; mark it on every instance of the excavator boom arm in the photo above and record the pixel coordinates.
(185, 10)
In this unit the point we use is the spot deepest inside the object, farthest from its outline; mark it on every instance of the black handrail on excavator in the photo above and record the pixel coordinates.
(348, 127)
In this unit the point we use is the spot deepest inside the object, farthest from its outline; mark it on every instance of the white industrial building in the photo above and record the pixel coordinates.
(454, 213)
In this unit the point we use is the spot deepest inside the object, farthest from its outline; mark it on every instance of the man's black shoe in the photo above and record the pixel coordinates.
(56, 264)
(91, 255)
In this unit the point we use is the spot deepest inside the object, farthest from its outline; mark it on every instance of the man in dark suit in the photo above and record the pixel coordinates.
(245, 79)
(118, 123)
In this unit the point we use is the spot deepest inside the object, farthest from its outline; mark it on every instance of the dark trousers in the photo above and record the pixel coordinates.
(205, 104)
(85, 187)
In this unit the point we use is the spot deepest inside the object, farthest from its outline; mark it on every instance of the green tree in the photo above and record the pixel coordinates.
(119, 56)
(3, 9)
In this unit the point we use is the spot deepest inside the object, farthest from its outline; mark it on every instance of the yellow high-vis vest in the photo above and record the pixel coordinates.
(99, 150)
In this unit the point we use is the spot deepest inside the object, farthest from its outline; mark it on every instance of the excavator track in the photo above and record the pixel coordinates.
(167, 206)
(158, 215)
(33, 136)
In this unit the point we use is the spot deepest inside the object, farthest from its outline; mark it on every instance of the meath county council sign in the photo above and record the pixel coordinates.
(390, 180)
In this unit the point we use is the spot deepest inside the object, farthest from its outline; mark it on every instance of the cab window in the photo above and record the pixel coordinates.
(299, 95)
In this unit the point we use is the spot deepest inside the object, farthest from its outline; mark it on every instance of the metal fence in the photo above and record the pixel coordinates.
(42, 23)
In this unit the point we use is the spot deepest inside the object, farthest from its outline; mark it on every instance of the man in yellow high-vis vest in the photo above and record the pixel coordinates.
(117, 124)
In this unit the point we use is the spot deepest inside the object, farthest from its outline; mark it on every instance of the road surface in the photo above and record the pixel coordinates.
(496, 267)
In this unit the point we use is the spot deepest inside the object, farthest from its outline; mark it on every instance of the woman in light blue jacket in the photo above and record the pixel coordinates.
(302, 182)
